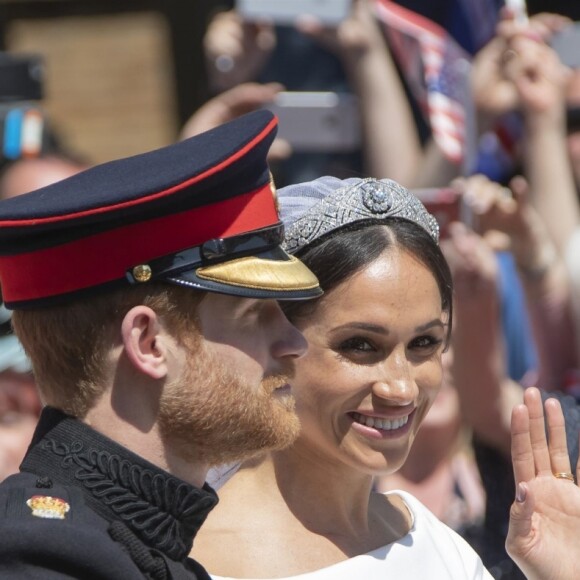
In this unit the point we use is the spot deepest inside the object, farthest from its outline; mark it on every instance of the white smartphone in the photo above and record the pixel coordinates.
(318, 121)
(285, 12)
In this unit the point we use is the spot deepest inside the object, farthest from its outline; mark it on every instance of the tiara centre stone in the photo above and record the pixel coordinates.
(376, 198)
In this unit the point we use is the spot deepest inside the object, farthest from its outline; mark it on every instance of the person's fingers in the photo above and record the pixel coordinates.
(239, 100)
(225, 20)
(490, 205)
(230, 36)
(458, 184)
(501, 203)
(511, 28)
(465, 243)
(558, 447)
(536, 62)
(458, 232)
(506, 203)
(520, 188)
(550, 22)
(522, 57)
(459, 252)
(279, 150)
(450, 252)
(226, 24)
(506, 13)
(233, 46)
(353, 35)
(504, 200)
(520, 524)
(507, 27)
(533, 402)
(265, 37)
(224, 42)
(484, 198)
(541, 28)
(310, 25)
(521, 446)
(524, 53)
(274, 86)
(247, 97)
(477, 193)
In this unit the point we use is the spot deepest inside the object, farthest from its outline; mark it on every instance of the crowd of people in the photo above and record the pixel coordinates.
(368, 389)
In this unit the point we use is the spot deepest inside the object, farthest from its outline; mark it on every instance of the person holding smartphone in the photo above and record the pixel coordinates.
(350, 56)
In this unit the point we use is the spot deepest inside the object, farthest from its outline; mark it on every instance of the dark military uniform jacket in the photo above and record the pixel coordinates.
(85, 507)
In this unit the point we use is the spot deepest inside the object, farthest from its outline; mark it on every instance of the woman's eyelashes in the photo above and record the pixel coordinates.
(367, 350)
(357, 344)
(361, 350)
(426, 342)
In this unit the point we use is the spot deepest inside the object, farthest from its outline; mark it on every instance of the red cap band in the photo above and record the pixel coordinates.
(106, 256)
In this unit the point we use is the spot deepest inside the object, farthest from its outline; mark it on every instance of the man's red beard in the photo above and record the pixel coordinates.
(210, 415)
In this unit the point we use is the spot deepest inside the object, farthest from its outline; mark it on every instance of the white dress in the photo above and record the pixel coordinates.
(431, 550)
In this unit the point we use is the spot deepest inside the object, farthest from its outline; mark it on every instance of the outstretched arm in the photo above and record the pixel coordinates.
(391, 142)
(545, 517)
(534, 81)
(230, 105)
(479, 368)
(541, 269)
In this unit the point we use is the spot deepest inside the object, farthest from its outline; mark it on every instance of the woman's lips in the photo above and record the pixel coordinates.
(381, 427)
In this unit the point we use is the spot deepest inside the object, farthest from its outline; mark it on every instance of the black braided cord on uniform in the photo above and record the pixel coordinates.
(163, 511)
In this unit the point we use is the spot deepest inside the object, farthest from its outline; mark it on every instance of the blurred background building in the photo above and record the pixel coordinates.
(121, 75)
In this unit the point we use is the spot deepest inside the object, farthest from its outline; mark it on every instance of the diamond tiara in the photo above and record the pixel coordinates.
(368, 199)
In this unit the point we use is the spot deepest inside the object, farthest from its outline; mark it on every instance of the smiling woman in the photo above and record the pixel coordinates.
(371, 373)
(373, 364)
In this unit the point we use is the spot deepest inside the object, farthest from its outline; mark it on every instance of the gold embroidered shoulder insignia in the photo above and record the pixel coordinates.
(45, 506)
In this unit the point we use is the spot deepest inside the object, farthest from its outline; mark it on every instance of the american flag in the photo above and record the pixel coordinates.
(436, 69)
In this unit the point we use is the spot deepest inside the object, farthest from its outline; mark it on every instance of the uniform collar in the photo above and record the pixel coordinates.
(163, 511)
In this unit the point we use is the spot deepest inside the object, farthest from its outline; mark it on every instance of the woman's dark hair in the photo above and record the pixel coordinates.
(337, 256)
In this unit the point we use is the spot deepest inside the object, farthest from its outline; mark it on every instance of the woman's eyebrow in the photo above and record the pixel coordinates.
(364, 326)
(378, 329)
(432, 324)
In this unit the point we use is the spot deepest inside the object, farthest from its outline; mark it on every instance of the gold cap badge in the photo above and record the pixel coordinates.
(142, 273)
(45, 506)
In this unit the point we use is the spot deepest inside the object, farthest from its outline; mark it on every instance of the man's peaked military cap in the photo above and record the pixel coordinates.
(199, 213)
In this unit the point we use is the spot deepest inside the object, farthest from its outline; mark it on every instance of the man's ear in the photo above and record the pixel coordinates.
(141, 333)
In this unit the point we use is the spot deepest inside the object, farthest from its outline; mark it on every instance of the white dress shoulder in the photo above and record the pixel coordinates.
(430, 550)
